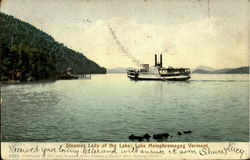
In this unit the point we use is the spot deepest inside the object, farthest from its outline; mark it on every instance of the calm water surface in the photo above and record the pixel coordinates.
(111, 107)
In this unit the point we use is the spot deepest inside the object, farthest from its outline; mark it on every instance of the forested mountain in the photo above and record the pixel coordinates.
(241, 70)
(119, 70)
(29, 52)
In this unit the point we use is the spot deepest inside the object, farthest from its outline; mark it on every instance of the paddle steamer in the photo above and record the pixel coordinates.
(158, 72)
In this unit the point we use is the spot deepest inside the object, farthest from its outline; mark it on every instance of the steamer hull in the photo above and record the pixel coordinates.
(159, 78)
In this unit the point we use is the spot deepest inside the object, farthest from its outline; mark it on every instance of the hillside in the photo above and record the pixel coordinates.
(204, 68)
(241, 70)
(201, 71)
(30, 52)
(118, 70)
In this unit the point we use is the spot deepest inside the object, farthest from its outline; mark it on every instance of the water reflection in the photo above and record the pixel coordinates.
(28, 111)
(111, 107)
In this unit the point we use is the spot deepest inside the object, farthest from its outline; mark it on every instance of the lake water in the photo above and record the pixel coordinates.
(111, 107)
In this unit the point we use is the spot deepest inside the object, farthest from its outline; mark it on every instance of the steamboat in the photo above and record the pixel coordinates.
(158, 72)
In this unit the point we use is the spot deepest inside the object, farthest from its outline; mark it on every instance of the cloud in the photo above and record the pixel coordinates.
(182, 31)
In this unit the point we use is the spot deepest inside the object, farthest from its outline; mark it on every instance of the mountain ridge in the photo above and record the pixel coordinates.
(118, 69)
(239, 70)
(202, 67)
(31, 52)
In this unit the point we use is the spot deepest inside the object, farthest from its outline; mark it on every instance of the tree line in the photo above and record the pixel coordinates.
(27, 52)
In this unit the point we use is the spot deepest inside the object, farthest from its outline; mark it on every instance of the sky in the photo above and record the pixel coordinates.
(189, 33)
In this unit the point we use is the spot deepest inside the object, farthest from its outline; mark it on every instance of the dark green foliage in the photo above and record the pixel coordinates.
(26, 49)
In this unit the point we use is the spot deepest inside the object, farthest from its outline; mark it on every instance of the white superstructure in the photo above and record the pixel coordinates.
(157, 72)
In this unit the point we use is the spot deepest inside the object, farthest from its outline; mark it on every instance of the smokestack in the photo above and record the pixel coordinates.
(161, 60)
(155, 59)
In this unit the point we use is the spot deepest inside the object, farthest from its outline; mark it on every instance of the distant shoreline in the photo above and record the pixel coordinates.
(240, 70)
(198, 70)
